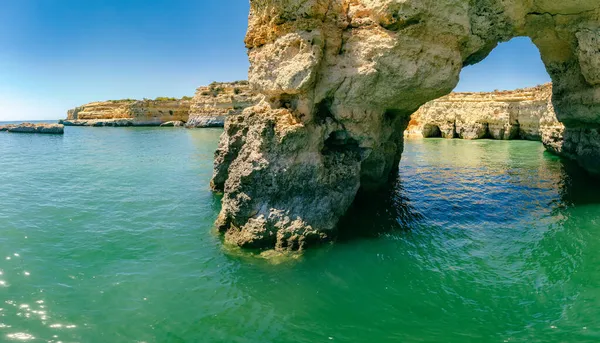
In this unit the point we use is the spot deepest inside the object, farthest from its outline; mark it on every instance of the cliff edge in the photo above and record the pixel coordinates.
(525, 113)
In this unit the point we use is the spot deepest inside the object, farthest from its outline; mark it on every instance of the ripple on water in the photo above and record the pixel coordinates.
(108, 237)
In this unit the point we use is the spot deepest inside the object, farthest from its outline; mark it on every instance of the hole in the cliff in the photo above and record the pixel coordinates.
(323, 111)
(432, 131)
(498, 88)
(288, 101)
(511, 65)
(340, 142)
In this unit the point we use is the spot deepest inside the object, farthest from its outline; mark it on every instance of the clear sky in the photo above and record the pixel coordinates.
(58, 54)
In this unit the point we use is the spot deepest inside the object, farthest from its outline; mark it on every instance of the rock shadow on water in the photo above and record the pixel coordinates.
(578, 187)
(381, 212)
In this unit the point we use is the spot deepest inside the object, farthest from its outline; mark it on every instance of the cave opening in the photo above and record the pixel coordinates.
(432, 131)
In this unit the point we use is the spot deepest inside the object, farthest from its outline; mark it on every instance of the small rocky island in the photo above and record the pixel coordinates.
(56, 129)
(208, 108)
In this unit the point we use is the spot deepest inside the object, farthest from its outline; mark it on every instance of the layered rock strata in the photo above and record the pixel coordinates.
(341, 79)
(56, 129)
(213, 103)
(520, 114)
(129, 113)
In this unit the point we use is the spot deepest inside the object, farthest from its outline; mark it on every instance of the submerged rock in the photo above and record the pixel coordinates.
(341, 79)
(519, 114)
(56, 129)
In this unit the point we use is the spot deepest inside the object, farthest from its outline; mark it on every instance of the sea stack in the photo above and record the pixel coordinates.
(341, 80)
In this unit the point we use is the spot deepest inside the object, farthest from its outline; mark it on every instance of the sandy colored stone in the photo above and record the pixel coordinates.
(56, 129)
(128, 113)
(213, 103)
(519, 114)
(341, 79)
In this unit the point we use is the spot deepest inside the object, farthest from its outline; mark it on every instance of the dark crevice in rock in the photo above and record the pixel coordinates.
(323, 111)
(400, 24)
(432, 131)
(515, 131)
(340, 142)
(288, 101)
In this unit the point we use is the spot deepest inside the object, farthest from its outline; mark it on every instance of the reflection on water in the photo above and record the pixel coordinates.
(375, 213)
(469, 181)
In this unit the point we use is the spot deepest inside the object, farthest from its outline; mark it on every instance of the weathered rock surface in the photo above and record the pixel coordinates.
(129, 113)
(213, 103)
(176, 123)
(341, 79)
(56, 129)
(519, 114)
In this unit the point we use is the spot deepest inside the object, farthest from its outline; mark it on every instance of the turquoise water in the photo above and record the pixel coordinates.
(107, 237)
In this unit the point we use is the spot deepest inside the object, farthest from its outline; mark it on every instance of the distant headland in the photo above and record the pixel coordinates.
(207, 108)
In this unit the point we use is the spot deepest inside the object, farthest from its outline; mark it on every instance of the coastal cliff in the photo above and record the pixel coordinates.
(519, 114)
(208, 108)
(129, 112)
(213, 103)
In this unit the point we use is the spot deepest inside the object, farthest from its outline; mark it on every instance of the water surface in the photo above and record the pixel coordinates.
(107, 237)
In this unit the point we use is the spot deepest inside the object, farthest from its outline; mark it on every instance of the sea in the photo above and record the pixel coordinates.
(106, 236)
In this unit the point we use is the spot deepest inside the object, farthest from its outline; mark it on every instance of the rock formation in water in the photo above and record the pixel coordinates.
(520, 114)
(129, 112)
(341, 79)
(215, 102)
(56, 129)
(208, 108)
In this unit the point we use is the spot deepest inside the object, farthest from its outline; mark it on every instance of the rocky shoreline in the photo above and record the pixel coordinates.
(518, 114)
(208, 108)
(55, 129)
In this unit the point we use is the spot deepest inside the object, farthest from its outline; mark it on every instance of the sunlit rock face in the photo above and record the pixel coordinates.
(519, 114)
(129, 112)
(342, 77)
(213, 103)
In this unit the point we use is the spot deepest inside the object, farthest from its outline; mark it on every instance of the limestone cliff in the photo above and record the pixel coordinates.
(519, 114)
(213, 103)
(341, 79)
(129, 112)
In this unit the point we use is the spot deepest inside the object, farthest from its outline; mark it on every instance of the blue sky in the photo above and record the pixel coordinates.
(57, 54)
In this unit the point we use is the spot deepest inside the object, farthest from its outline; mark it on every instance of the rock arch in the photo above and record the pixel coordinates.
(340, 80)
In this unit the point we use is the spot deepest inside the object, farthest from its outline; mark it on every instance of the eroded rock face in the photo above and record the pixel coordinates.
(213, 103)
(129, 113)
(342, 77)
(520, 114)
(54, 129)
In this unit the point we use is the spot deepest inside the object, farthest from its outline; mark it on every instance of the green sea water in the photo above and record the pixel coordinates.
(106, 237)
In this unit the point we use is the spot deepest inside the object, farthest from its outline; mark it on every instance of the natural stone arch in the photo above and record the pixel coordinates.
(341, 78)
